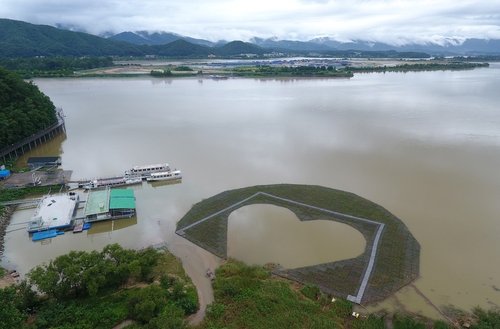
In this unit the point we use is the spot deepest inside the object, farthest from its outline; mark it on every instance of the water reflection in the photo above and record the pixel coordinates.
(109, 226)
(165, 183)
(51, 147)
(260, 234)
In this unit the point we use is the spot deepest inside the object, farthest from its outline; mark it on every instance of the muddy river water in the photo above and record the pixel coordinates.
(424, 145)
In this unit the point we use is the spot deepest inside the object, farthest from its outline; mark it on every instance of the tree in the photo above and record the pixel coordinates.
(172, 317)
(10, 317)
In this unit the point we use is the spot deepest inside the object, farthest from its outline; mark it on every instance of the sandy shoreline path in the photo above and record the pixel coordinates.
(7, 280)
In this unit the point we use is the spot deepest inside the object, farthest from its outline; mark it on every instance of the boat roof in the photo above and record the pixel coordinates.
(151, 166)
(97, 202)
(160, 173)
(122, 199)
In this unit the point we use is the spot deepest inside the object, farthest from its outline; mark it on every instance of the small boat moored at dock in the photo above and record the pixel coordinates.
(166, 175)
(78, 226)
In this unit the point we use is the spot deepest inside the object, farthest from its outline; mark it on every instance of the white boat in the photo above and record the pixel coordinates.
(166, 175)
(145, 171)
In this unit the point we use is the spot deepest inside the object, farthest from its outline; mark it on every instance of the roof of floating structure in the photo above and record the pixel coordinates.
(122, 199)
(43, 159)
(97, 202)
(53, 211)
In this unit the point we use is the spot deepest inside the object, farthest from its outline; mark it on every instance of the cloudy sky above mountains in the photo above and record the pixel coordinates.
(389, 21)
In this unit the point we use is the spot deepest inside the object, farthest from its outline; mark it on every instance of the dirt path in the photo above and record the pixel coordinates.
(7, 280)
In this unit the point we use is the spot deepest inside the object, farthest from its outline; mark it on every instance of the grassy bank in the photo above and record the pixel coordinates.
(16, 194)
(250, 297)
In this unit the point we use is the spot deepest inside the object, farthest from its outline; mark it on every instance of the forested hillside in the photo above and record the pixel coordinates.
(24, 40)
(20, 39)
(24, 110)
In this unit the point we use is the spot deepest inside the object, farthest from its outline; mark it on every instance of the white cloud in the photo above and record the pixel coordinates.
(376, 20)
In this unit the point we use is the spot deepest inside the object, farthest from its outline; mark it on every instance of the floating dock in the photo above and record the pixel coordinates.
(55, 211)
(44, 235)
(109, 204)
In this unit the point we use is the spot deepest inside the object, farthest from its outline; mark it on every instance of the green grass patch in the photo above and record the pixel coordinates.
(16, 194)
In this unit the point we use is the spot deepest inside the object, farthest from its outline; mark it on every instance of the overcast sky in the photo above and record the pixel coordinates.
(390, 21)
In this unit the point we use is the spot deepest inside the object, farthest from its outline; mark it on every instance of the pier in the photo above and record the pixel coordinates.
(26, 144)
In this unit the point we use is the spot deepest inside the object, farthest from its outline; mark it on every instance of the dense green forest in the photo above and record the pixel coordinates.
(24, 110)
(101, 289)
(21, 39)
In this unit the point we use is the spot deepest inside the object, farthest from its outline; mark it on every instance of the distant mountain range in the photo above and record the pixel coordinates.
(21, 39)
(452, 46)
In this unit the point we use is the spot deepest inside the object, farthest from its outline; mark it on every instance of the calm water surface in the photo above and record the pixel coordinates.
(426, 146)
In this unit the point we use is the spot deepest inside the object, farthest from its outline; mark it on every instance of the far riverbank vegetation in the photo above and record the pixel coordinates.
(418, 67)
(28, 68)
(287, 71)
(56, 67)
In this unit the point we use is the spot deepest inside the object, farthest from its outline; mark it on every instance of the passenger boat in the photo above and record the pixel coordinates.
(147, 170)
(166, 175)
(112, 181)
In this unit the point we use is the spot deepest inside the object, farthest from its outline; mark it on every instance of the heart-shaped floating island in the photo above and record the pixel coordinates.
(346, 245)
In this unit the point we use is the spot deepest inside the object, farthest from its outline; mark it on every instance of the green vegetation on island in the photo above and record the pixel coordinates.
(419, 67)
(24, 110)
(100, 290)
(290, 71)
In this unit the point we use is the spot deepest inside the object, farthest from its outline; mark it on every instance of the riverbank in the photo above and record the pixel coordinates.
(5, 215)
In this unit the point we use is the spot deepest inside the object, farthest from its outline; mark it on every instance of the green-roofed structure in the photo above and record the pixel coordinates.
(109, 204)
(122, 203)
